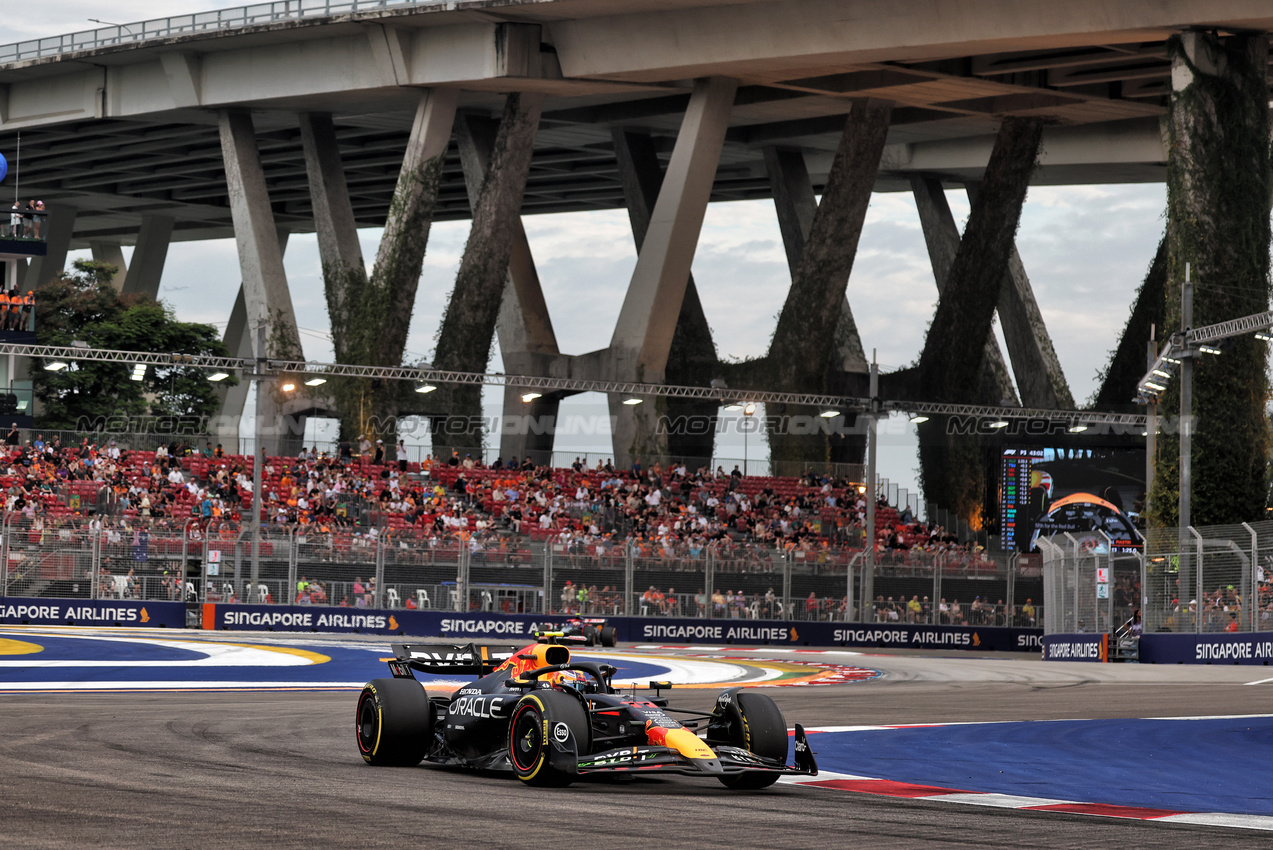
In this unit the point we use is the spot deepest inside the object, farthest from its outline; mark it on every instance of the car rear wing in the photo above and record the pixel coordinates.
(463, 659)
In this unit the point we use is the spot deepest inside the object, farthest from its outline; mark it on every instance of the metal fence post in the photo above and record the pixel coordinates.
(547, 578)
(1014, 561)
(293, 566)
(786, 585)
(4, 556)
(378, 600)
(1250, 580)
(629, 580)
(709, 583)
(1197, 569)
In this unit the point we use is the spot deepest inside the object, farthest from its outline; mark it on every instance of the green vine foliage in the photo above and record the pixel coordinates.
(370, 316)
(952, 365)
(1218, 190)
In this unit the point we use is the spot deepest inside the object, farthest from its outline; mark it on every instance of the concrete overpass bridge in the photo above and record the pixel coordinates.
(309, 116)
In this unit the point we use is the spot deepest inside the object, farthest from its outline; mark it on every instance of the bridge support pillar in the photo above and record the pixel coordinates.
(1127, 364)
(1040, 379)
(57, 242)
(803, 343)
(468, 326)
(111, 252)
(523, 326)
(370, 316)
(149, 256)
(796, 204)
(692, 357)
(941, 234)
(951, 363)
(267, 300)
(643, 335)
(1218, 189)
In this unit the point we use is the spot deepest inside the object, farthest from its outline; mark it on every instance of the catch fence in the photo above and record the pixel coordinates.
(499, 572)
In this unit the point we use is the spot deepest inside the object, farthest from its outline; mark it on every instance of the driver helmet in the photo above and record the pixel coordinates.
(572, 679)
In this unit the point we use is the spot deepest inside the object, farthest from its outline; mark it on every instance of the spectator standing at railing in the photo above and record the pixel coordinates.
(15, 221)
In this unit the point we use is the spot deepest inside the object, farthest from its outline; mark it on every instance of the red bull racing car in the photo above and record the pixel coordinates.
(550, 720)
(590, 631)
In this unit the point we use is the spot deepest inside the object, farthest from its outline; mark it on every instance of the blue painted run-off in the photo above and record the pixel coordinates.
(1205, 765)
(127, 661)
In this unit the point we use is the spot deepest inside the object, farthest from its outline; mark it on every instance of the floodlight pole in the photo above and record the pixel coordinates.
(1184, 518)
(1151, 421)
(257, 460)
(872, 432)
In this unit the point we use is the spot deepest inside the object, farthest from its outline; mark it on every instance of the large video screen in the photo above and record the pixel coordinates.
(1089, 493)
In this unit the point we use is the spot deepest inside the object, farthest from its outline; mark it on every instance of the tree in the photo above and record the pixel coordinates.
(81, 305)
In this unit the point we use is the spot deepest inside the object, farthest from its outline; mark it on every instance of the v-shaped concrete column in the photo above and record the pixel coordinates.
(468, 327)
(370, 315)
(951, 364)
(692, 358)
(265, 293)
(642, 339)
(796, 203)
(523, 326)
(804, 340)
(941, 234)
(1037, 369)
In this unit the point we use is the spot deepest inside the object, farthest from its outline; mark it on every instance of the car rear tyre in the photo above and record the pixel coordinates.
(756, 724)
(608, 636)
(537, 720)
(394, 722)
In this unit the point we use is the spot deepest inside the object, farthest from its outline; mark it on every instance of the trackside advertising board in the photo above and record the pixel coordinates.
(1076, 647)
(15, 611)
(486, 626)
(1237, 648)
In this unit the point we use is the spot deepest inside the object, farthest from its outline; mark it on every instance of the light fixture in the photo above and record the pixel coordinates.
(1002, 423)
(632, 401)
(733, 406)
(1160, 373)
(56, 366)
(529, 397)
(1208, 349)
(425, 388)
(829, 414)
(139, 372)
(1078, 428)
(1156, 387)
(218, 376)
(288, 387)
(918, 418)
(315, 382)
(1171, 360)
(1264, 337)
(749, 409)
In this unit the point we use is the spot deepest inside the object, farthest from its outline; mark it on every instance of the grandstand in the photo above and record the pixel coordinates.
(172, 524)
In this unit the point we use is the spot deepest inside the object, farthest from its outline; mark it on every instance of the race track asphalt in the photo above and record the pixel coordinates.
(280, 769)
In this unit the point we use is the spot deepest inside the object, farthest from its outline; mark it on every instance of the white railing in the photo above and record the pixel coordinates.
(220, 19)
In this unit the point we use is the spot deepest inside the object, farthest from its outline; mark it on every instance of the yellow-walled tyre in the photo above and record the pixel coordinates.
(756, 725)
(537, 720)
(394, 722)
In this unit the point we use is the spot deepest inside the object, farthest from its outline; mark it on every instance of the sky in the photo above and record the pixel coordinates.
(1085, 249)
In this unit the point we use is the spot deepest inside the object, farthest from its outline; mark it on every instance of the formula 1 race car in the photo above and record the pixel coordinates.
(551, 721)
(590, 631)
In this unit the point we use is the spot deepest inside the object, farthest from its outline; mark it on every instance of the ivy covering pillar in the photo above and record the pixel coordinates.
(468, 327)
(952, 470)
(370, 316)
(806, 333)
(1218, 189)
